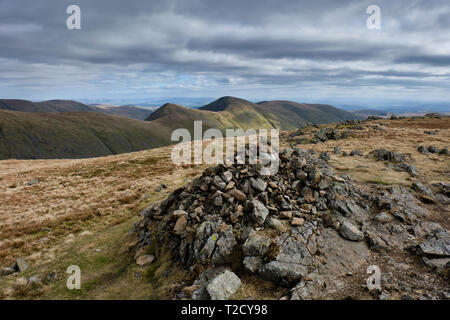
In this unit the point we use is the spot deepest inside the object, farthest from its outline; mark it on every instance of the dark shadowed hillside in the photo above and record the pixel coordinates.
(75, 135)
(44, 106)
(295, 114)
(125, 111)
(72, 106)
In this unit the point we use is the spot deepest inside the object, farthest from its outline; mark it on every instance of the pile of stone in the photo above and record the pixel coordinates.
(304, 222)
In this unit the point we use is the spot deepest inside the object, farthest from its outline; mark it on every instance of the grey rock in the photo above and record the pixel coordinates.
(22, 265)
(436, 247)
(339, 255)
(34, 281)
(224, 247)
(444, 151)
(387, 155)
(252, 264)
(351, 232)
(284, 273)
(145, 260)
(325, 156)
(440, 265)
(384, 217)
(32, 182)
(227, 176)
(223, 286)
(421, 188)
(313, 289)
(219, 183)
(52, 276)
(258, 184)
(433, 149)
(276, 224)
(356, 153)
(259, 212)
(218, 201)
(412, 170)
(7, 271)
(422, 149)
(207, 250)
(256, 245)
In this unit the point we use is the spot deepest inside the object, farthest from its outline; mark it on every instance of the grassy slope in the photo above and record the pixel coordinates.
(71, 106)
(44, 106)
(295, 114)
(126, 111)
(175, 116)
(74, 135)
(92, 134)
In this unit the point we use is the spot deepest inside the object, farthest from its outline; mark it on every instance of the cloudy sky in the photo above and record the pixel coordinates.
(150, 50)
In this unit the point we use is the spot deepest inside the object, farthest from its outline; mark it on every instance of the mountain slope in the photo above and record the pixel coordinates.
(44, 106)
(64, 134)
(238, 116)
(72, 106)
(75, 135)
(290, 113)
(125, 111)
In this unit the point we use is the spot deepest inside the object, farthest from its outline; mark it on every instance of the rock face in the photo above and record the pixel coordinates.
(223, 286)
(303, 228)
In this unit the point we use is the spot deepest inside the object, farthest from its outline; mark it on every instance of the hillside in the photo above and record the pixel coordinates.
(231, 112)
(238, 116)
(74, 135)
(133, 112)
(44, 106)
(72, 106)
(291, 114)
(71, 131)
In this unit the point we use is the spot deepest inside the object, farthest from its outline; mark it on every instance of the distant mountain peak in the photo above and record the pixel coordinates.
(225, 102)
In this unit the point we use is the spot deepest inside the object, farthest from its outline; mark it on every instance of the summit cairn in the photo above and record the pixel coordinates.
(303, 228)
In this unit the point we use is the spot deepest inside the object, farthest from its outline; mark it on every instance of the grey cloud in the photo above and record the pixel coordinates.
(210, 46)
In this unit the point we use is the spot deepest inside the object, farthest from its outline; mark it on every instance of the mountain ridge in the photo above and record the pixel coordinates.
(58, 105)
(81, 134)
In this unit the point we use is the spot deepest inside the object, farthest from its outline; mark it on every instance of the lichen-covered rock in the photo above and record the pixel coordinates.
(223, 286)
(256, 245)
(252, 264)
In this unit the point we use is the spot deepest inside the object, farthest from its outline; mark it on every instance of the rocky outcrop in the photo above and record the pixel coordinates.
(303, 228)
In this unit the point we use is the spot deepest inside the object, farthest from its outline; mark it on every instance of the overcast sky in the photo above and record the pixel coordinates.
(147, 50)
